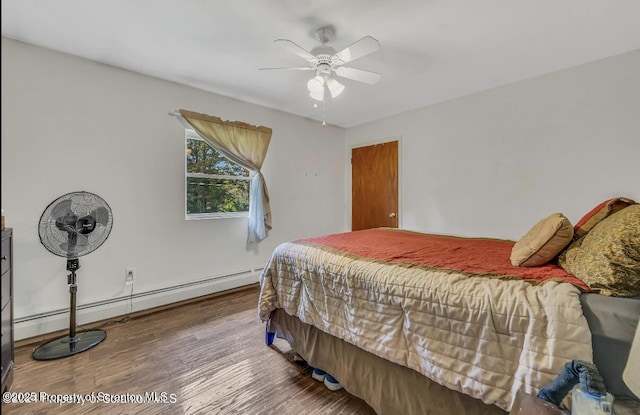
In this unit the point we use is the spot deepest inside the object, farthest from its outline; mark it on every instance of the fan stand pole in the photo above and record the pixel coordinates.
(73, 289)
(75, 342)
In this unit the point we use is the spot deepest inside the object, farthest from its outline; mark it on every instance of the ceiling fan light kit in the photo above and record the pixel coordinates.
(327, 63)
(316, 84)
(335, 87)
(318, 95)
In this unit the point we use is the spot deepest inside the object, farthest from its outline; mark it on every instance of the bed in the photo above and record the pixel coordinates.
(418, 323)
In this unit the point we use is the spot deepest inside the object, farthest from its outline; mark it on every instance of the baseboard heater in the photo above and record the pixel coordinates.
(46, 322)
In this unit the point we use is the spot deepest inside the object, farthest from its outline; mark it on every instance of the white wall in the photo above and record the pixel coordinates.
(496, 162)
(69, 124)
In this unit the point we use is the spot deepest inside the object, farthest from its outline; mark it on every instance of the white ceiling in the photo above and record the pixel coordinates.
(432, 51)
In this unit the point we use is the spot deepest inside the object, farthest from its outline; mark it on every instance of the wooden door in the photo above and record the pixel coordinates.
(374, 186)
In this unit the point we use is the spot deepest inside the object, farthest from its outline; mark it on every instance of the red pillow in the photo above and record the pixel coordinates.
(598, 213)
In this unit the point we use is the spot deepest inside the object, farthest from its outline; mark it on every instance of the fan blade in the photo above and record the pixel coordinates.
(358, 75)
(306, 68)
(61, 209)
(75, 240)
(101, 215)
(295, 49)
(75, 244)
(360, 48)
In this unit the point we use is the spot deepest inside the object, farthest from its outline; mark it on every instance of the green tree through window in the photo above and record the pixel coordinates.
(215, 186)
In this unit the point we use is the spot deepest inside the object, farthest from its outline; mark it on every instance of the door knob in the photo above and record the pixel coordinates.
(392, 215)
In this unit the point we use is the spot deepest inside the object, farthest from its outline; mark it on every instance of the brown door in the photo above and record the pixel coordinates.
(374, 186)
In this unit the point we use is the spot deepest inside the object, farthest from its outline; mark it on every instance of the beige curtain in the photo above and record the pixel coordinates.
(246, 145)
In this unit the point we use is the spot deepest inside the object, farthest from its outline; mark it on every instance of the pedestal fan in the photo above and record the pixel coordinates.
(73, 225)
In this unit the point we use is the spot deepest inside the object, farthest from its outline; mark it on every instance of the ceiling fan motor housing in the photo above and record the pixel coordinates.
(323, 68)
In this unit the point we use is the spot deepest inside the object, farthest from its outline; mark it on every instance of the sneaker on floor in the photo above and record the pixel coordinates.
(331, 383)
(318, 375)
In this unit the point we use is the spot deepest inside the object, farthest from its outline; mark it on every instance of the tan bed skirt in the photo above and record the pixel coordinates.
(390, 389)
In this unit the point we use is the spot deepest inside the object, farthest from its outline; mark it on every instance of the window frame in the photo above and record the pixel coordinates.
(191, 134)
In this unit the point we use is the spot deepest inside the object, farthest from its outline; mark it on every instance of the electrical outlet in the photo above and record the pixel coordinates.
(129, 274)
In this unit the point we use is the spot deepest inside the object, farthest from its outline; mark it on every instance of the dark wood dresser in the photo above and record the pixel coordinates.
(7, 309)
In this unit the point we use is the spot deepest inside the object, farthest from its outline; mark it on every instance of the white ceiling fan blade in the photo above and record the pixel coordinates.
(360, 48)
(295, 49)
(306, 68)
(358, 75)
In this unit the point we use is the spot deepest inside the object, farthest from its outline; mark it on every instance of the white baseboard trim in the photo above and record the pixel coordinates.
(53, 321)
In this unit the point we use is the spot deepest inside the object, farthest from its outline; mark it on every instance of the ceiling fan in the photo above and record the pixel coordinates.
(326, 62)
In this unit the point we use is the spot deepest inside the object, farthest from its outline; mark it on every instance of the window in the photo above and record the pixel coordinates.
(215, 186)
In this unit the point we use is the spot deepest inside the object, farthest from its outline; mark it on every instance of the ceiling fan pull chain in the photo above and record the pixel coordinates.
(324, 103)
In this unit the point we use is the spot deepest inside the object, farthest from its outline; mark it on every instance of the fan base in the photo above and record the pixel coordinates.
(66, 346)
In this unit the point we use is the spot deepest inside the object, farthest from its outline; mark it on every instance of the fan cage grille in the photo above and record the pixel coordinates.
(74, 241)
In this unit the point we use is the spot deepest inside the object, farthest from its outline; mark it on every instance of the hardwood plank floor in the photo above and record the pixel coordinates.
(207, 357)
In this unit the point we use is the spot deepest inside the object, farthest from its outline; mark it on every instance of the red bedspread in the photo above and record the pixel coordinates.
(471, 256)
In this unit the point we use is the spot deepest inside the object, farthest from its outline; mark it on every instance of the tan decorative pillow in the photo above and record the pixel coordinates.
(543, 242)
(607, 258)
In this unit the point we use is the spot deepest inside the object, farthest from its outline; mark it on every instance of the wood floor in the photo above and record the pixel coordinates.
(207, 357)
